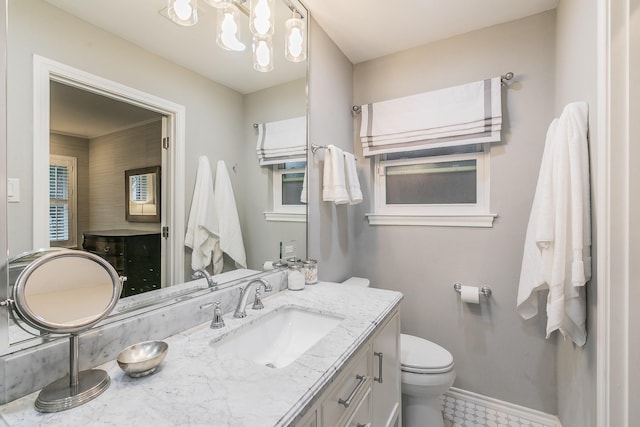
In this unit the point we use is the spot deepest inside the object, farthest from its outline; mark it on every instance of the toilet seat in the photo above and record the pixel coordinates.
(421, 356)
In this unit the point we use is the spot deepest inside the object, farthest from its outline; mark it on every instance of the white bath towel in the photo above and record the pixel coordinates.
(351, 179)
(558, 241)
(202, 234)
(231, 241)
(334, 187)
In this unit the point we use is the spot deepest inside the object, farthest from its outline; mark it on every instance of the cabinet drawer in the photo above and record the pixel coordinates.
(362, 416)
(342, 400)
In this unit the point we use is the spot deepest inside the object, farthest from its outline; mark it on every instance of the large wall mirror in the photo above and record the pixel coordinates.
(96, 88)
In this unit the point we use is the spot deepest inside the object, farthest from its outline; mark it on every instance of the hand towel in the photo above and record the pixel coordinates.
(333, 183)
(231, 241)
(351, 179)
(303, 193)
(202, 234)
(557, 245)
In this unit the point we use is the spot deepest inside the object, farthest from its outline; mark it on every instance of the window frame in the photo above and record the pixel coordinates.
(457, 214)
(281, 212)
(72, 202)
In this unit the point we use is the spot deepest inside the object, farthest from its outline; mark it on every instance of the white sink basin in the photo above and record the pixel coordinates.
(278, 338)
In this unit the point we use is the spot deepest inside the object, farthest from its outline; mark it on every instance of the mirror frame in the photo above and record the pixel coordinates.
(37, 321)
(131, 217)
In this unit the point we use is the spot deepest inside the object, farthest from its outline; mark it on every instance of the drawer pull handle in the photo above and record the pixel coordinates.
(379, 354)
(106, 249)
(363, 425)
(361, 380)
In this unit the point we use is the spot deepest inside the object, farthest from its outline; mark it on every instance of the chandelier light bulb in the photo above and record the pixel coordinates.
(262, 54)
(183, 9)
(183, 12)
(261, 17)
(228, 31)
(295, 44)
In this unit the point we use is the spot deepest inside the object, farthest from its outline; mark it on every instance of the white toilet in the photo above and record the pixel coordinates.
(427, 373)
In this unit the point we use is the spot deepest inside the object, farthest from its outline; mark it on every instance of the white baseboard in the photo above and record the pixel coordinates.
(506, 407)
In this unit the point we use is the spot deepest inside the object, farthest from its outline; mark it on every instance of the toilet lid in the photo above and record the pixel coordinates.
(423, 357)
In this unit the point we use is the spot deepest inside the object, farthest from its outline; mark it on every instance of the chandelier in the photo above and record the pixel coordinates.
(261, 15)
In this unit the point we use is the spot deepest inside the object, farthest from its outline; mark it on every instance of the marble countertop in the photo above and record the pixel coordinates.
(198, 386)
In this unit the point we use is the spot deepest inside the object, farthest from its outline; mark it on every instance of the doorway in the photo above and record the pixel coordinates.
(55, 81)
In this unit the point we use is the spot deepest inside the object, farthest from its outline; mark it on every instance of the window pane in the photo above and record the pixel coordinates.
(432, 183)
(292, 165)
(432, 152)
(292, 188)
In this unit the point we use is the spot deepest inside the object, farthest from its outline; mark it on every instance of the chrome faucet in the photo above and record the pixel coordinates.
(202, 273)
(241, 309)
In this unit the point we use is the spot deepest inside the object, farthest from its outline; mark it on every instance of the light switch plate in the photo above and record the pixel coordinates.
(13, 190)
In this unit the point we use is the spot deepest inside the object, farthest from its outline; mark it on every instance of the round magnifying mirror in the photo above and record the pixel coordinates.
(68, 292)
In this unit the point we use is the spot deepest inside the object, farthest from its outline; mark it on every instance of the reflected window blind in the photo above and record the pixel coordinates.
(58, 203)
(139, 188)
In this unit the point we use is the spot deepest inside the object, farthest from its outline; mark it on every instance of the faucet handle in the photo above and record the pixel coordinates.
(218, 321)
(257, 302)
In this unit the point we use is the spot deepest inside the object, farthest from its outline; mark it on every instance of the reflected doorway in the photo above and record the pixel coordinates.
(93, 141)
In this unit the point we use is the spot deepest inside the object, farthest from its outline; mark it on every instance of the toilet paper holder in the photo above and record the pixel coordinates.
(485, 290)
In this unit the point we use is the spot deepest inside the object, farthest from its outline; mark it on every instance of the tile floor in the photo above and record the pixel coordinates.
(459, 413)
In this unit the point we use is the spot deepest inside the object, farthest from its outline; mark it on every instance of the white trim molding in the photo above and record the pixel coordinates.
(510, 409)
(285, 216)
(480, 220)
(613, 204)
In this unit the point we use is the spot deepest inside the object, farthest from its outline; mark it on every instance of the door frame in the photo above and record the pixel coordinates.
(44, 71)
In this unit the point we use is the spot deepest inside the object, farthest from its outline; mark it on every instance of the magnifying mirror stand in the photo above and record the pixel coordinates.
(74, 389)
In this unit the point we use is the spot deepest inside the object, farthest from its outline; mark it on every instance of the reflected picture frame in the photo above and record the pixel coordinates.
(142, 194)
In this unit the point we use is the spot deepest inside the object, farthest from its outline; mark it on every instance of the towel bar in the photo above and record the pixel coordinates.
(316, 147)
(485, 290)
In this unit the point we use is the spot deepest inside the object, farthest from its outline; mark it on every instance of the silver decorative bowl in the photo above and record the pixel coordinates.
(143, 358)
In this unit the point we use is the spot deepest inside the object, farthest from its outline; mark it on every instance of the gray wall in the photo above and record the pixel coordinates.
(262, 237)
(332, 238)
(110, 156)
(496, 352)
(214, 112)
(576, 80)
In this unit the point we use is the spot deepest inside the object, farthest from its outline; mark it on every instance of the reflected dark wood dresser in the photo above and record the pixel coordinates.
(134, 254)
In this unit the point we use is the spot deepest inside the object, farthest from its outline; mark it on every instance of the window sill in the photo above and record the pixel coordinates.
(471, 220)
(285, 217)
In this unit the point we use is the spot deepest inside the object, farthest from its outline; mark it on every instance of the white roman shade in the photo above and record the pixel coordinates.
(460, 115)
(282, 141)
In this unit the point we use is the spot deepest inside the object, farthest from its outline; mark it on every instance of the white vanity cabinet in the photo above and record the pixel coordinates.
(359, 396)
(386, 374)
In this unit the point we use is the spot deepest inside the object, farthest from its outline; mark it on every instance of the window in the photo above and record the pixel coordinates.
(288, 183)
(62, 201)
(448, 186)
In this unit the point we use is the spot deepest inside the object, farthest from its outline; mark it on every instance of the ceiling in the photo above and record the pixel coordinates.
(81, 113)
(362, 29)
(368, 29)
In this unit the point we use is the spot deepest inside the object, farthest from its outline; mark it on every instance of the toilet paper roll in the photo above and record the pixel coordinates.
(470, 294)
